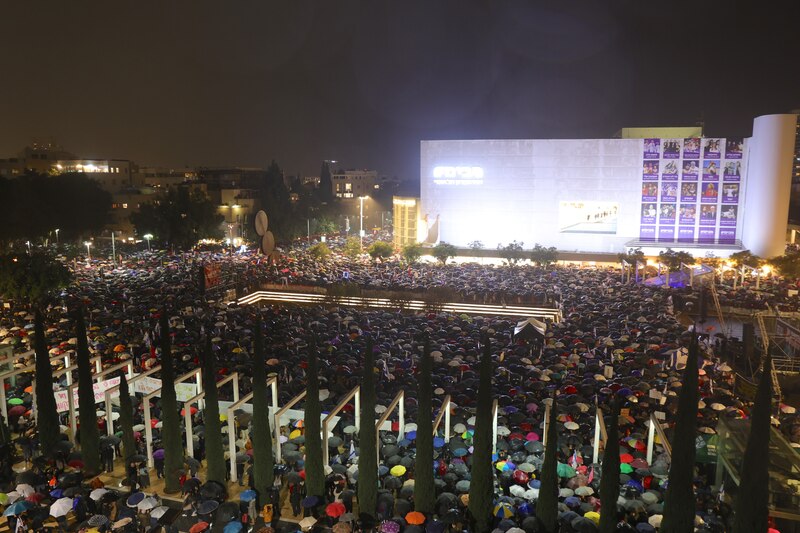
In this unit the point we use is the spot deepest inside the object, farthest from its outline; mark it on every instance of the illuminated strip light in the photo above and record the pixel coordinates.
(355, 301)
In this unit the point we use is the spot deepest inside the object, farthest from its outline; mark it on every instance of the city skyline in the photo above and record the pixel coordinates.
(204, 85)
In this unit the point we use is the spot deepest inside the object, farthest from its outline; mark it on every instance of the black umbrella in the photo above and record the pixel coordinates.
(213, 490)
(207, 507)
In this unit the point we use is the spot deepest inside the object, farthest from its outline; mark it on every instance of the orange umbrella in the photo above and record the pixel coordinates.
(119, 348)
(415, 518)
(199, 527)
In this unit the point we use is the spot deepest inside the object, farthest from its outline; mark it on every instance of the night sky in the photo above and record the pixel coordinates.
(241, 83)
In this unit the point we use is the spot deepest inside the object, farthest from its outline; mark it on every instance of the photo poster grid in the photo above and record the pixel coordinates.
(691, 189)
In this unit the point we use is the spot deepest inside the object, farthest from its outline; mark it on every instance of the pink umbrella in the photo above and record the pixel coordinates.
(532, 436)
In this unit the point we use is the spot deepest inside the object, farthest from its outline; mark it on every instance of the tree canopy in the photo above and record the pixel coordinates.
(31, 277)
(745, 257)
(180, 218)
(542, 256)
(444, 251)
(34, 206)
(511, 253)
(380, 249)
(412, 252)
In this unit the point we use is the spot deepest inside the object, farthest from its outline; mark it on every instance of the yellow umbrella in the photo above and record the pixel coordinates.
(398, 470)
(593, 516)
(294, 434)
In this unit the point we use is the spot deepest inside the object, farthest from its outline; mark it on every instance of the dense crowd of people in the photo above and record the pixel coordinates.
(616, 340)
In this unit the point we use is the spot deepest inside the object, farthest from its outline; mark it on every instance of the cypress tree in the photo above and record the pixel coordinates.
(609, 483)
(90, 434)
(679, 502)
(424, 490)
(170, 420)
(46, 412)
(481, 486)
(315, 473)
(215, 456)
(263, 460)
(367, 438)
(547, 504)
(126, 417)
(752, 502)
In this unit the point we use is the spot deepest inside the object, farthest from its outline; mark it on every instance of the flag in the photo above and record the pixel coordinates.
(573, 461)
(591, 474)
(352, 450)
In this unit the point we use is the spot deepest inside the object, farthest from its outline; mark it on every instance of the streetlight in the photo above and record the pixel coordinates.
(361, 219)
(147, 237)
(88, 245)
(29, 246)
(57, 230)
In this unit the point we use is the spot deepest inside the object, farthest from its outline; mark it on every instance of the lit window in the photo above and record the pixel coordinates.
(124, 206)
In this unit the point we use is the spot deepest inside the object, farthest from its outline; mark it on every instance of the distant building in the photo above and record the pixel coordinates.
(677, 132)
(39, 157)
(164, 177)
(405, 216)
(349, 184)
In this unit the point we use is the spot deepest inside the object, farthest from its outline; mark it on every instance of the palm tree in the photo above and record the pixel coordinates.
(679, 502)
(424, 490)
(46, 411)
(263, 460)
(481, 486)
(547, 504)
(752, 502)
(367, 439)
(215, 456)
(315, 474)
(170, 420)
(89, 433)
(609, 483)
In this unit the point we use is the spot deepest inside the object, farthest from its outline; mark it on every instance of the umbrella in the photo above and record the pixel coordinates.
(61, 507)
(134, 499)
(415, 518)
(24, 490)
(389, 526)
(307, 522)
(97, 520)
(96, 494)
(398, 470)
(158, 512)
(565, 470)
(232, 527)
(342, 527)
(247, 495)
(147, 504)
(335, 509)
(503, 510)
(309, 502)
(18, 508)
(199, 527)
(207, 507)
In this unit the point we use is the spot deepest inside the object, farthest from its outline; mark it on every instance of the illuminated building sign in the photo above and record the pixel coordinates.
(458, 175)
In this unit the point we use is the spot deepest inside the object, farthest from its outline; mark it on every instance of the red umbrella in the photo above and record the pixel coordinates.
(626, 458)
(199, 527)
(335, 509)
(192, 410)
(520, 477)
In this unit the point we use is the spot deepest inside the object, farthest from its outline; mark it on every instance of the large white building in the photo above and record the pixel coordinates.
(606, 195)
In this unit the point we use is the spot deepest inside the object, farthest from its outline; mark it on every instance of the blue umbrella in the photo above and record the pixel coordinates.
(18, 508)
(135, 499)
(411, 435)
(460, 452)
(232, 527)
(438, 442)
(310, 501)
(57, 493)
(248, 495)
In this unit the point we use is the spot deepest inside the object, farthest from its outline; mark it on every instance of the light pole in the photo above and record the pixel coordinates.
(361, 219)
(147, 237)
(88, 245)
(57, 230)
(230, 233)
(29, 246)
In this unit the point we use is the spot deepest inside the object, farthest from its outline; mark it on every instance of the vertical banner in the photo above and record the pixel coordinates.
(711, 149)
(691, 148)
(651, 147)
(734, 147)
(671, 149)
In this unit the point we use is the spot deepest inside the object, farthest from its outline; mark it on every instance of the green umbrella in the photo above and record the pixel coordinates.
(565, 471)
(15, 401)
(625, 468)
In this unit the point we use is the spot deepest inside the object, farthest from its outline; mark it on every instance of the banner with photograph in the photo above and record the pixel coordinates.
(706, 235)
(691, 148)
(669, 170)
(669, 191)
(651, 148)
(734, 147)
(688, 214)
(671, 149)
(709, 193)
(712, 149)
(686, 233)
(729, 215)
(690, 171)
(708, 215)
(732, 171)
(666, 233)
(730, 193)
(649, 192)
(666, 214)
(710, 170)
(688, 192)
(649, 214)
(650, 171)
(647, 233)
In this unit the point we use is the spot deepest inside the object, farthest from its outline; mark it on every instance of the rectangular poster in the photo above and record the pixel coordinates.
(708, 215)
(650, 171)
(666, 234)
(733, 148)
(669, 171)
(651, 148)
(691, 148)
(666, 215)
(690, 171)
(730, 193)
(649, 214)
(732, 171)
(686, 233)
(687, 214)
(688, 192)
(727, 235)
(711, 149)
(709, 193)
(729, 215)
(649, 191)
(705, 235)
(671, 148)
(669, 191)
(647, 233)
(710, 170)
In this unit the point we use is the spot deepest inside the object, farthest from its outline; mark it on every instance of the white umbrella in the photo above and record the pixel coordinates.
(158, 512)
(147, 504)
(24, 490)
(96, 494)
(61, 507)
